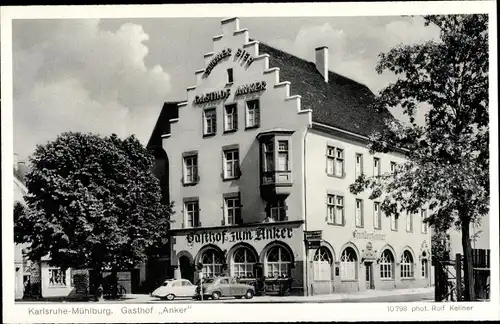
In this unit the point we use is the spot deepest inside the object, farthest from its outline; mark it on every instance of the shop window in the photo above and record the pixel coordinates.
(191, 210)
(386, 265)
(277, 262)
(57, 278)
(359, 165)
(425, 268)
(244, 262)
(322, 264)
(335, 210)
(376, 167)
(212, 264)
(377, 216)
(231, 118)
(277, 210)
(406, 265)
(334, 161)
(423, 217)
(348, 264)
(409, 222)
(190, 169)
(210, 121)
(253, 113)
(231, 164)
(359, 213)
(232, 210)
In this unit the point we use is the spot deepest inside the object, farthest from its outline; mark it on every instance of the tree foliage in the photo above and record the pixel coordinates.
(93, 203)
(447, 168)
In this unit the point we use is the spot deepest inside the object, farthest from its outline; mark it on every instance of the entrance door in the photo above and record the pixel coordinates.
(186, 268)
(369, 275)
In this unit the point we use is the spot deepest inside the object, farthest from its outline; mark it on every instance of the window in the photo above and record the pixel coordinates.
(386, 265)
(253, 113)
(394, 223)
(230, 76)
(359, 165)
(393, 167)
(232, 210)
(359, 213)
(334, 161)
(322, 264)
(376, 167)
(423, 216)
(348, 265)
(409, 222)
(231, 118)
(212, 264)
(57, 277)
(190, 169)
(277, 262)
(268, 157)
(210, 121)
(231, 164)
(377, 216)
(278, 210)
(283, 162)
(425, 269)
(192, 213)
(335, 209)
(243, 263)
(406, 265)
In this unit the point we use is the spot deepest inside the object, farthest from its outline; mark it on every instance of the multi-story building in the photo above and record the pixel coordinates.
(259, 160)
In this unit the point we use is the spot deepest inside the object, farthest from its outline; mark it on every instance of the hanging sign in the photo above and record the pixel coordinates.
(251, 88)
(212, 96)
(217, 59)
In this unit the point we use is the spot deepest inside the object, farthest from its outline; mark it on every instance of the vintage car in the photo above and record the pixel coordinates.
(173, 288)
(224, 287)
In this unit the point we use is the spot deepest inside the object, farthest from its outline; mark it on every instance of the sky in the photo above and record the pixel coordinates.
(113, 75)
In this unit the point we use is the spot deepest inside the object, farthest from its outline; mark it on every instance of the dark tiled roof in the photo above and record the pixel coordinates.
(341, 103)
(169, 110)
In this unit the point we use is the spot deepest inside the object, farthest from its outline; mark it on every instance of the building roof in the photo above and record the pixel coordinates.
(169, 111)
(340, 102)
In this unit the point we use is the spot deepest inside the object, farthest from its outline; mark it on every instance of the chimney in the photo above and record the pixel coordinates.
(16, 162)
(322, 61)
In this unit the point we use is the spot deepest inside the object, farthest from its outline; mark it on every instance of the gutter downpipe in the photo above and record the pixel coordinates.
(306, 261)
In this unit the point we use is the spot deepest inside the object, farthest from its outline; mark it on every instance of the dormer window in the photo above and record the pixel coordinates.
(230, 78)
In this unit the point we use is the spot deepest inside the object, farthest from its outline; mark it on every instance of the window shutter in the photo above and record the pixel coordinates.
(223, 222)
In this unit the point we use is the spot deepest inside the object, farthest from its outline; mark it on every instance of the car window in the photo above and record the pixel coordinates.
(186, 283)
(234, 281)
(176, 284)
(224, 281)
(208, 280)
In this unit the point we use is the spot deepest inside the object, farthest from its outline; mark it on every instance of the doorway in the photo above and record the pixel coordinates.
(369, 275)
(186, 268)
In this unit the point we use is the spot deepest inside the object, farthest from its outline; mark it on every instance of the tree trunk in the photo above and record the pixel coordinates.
(467, 266)
(96, 283)
(114, 283)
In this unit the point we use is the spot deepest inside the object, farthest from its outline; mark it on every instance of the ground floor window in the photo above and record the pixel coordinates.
(386, 265)
(406, 265)
(243, 263)
(57, 277)
(425, 269)
(322, 264)
(278, 260)
(212, 264)
(348, 264)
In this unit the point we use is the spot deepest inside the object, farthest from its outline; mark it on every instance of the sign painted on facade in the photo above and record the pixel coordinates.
(216, 60)
(368, 236)
(251, 88)
(245, 56)
(212, 96)
(258, 234)
(313, 235)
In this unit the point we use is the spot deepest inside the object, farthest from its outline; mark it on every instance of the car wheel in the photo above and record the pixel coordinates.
(170, 297)
(215, 295)
(249, 294)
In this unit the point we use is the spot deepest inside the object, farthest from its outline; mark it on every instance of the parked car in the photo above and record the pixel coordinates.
(224, 287)
(173, 288)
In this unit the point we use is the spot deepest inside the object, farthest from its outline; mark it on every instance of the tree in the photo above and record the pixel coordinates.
(93, 203)
(447, 168)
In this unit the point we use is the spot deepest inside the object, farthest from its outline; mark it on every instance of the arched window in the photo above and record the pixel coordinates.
(243, 262)
(277, 262)
(348, 261)
(212, 263)
(406, 265)
(322, 264)
(386, 265)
